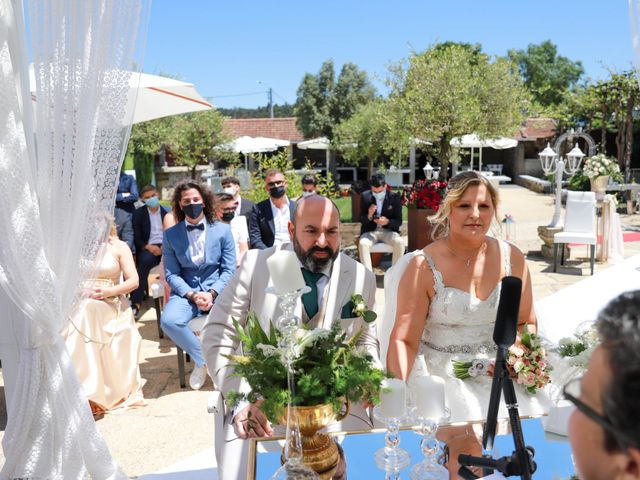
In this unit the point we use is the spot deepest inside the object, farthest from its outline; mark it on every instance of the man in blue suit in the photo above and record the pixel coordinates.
(199, 259)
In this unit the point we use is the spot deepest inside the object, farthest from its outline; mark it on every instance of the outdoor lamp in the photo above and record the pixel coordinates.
(428, 171)
(547, 157)
(574, 158)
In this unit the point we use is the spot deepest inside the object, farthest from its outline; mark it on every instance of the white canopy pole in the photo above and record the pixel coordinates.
(480, 161)
(412, 163)
(471, 167)
(328, 159)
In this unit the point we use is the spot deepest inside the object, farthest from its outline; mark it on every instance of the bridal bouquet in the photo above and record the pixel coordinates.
(527, 364)
(328, 368)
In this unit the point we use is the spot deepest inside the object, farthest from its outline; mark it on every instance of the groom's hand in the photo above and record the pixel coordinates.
(250, 422)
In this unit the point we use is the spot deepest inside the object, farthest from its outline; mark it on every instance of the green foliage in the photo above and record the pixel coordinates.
(327, 368)
(322, 102)
(279, 111)
(579, 182)
(368, 134)
(547, 75)
(280, 161)
(454, 90)
(326, 186)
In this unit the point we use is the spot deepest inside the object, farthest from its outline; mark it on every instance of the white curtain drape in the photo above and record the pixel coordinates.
(58, 178)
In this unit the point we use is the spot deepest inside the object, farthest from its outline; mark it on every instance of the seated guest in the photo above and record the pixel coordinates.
(231, 185)
(226, 213)
(604, 430)
(309, 185)
(148, 232)
(199, 259)
(127, 194)
(124, 227)
(101, 336)
(270, 218)
(381, 220)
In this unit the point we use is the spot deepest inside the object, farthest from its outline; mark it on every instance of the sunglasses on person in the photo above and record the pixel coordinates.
(572, 392)
(277, 183)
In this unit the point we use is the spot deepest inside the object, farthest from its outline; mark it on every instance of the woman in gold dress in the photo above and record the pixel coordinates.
(102, 337)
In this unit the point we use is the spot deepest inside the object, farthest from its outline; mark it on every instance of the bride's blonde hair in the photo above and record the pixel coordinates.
(456, 188)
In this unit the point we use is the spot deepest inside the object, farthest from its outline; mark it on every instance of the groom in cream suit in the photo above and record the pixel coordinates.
(315, 233)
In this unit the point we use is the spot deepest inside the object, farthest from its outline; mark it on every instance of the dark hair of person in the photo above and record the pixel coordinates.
(148, 188)
(208, 200)
(378, 180)
(224, 197)
(309, 180)
(619, 331)
(230, 179)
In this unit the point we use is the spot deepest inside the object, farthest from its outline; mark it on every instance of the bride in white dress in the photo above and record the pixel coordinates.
(446, 299)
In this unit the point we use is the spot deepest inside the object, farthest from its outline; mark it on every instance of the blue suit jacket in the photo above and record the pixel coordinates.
(219, 260)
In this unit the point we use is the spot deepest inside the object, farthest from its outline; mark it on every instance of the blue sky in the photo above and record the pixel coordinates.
(226, 47)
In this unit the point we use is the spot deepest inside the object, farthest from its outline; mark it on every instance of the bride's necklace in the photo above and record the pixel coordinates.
(467, 260)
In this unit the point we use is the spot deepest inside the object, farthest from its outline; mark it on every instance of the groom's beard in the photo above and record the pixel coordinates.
(311, 262)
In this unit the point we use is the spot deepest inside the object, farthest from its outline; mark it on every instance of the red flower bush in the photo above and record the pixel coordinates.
(424, 194)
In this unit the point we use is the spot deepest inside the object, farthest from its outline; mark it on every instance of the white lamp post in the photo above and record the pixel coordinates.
(428, 171)
(548, 160)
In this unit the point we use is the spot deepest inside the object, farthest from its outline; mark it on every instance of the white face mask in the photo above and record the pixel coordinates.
(229, 191)
(307, 194)
(379, 195)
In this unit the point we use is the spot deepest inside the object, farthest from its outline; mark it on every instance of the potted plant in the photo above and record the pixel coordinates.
(599, 169)
(422, 199)
(329, 372)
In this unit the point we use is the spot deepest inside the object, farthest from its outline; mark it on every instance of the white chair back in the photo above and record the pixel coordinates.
(580, 216)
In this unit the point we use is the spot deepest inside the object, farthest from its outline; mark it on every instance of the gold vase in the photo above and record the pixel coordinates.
(319, 451)
(599, 184)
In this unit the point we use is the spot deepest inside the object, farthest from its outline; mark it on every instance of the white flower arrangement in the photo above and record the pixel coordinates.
(600, 165)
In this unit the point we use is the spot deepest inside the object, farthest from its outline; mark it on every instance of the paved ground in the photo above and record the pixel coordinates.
(175, 424)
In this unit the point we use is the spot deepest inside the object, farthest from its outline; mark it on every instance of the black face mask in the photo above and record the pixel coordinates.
(192, 210)
(227, 217)
(277, 192)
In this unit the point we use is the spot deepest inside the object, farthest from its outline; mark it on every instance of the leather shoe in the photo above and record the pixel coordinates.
(198, 377)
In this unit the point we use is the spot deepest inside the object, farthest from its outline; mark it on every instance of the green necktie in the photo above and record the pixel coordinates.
(310, 299)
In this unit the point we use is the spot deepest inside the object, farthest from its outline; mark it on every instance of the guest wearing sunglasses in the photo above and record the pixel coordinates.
(270, 218)
(604, 430)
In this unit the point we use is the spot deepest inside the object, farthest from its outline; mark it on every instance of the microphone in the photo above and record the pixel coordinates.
(506, 326)
(504, 335)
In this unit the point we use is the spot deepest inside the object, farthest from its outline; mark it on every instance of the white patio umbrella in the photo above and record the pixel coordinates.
(153, 96)
(473, 141)
(246, 144)
(320, 143)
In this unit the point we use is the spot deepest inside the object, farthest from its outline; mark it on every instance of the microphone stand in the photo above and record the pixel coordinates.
(521, 460)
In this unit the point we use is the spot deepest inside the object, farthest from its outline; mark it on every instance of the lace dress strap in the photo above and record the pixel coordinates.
(438, 284)
(506, 252)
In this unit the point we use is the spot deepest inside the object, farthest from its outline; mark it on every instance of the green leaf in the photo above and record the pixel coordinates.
(369, 316)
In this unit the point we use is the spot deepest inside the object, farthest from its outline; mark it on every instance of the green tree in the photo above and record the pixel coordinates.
(322, 102)
(145, 141)
(366, 134)
(193, 137)
(446, 92)
(547, 75)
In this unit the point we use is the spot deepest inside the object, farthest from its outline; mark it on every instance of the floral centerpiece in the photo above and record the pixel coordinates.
(329, 368)
(424, 194)
(526, 362)
(600, 165)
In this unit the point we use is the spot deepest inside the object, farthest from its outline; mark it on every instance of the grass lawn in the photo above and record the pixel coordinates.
(344, 205)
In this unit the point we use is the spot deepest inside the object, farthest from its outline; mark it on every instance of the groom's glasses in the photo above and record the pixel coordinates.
(572, 392)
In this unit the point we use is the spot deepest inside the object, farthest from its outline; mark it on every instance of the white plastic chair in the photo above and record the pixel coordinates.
(579, 225)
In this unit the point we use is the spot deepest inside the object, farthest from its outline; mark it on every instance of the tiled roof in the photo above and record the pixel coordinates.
(535, 128)
(282, 128)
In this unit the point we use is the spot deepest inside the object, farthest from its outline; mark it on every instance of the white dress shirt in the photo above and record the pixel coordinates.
(239, 231)
(155, 219)
(197, 241)
(281, 217)
(238, 206)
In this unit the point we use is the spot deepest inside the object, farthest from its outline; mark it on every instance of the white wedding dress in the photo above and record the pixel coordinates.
(459, 327)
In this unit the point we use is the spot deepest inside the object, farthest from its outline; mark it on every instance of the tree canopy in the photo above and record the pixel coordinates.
(547, 75)
(323, 102)
(449, 91)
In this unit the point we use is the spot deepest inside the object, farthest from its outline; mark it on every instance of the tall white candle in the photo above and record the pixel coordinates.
(284, 268)
(428, 393)
(393, 398)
